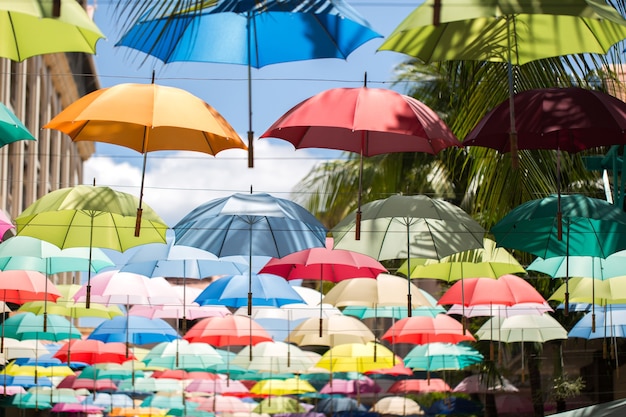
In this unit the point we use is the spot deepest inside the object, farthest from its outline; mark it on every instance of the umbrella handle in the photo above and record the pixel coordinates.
(357, 230)
(138, 222)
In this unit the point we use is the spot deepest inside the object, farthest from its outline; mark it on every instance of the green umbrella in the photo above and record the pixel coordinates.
(489, 261)
(506, 31)
(33, 27)
(11, 128)
(278, 405)
(25, 326)
(90, 216)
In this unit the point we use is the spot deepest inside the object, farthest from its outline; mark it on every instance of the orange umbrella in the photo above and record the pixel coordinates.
(146, 118)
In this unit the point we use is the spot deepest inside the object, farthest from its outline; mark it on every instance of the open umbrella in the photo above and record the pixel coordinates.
(146, 118)
(336, 330)
(89, 216)
(506, 31)
(26, 326)
(339, 404)
(410, 226)
(418, 386)
(183, 355)
(11, 127)
(247, 224)
(357, 357)
(483, 384)
(274, 357)
(421, 330)
(92, 351)
(276, 387)
(31, 28)
(252, 34)
(439, 356)
(397, 406)
(367, 121)
(279, 405)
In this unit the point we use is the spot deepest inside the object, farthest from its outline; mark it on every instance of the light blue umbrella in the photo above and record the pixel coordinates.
(109, 401)
(581, 266)
(252, 33)
(241, 290)
(442, 356)
(610, 323)
(136, 330)
(250, 224)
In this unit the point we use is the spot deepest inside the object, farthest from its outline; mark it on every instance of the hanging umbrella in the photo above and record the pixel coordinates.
(397, 406)
(410, 226)
(358, 386)
(522, 328)
(247, 224)
(358, 357)
(224, 404)
(151, 385)
(93, 385)
(89, 216)
(439, 356)
(26, 326)
(506, 32)
(252, 34)
(580, 266)
(611, 323)
(278, 405)
(338, 405)
(218, 386)
(336, 330)
(277, 387)
(506, 290)
(483, 384)
(108, 400)
(418, 386)
(421, 330)
(593, 291)
(183, 355)
(489, 261)
(229, 330)
(134, 330)
(502, 310)
(367, 121)
(21, 286)
(11, 130)
(146, 118)
(274, 357)
(31, 28)
(92, 351)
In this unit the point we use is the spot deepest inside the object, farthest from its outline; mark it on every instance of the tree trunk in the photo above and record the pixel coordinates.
(534, 375)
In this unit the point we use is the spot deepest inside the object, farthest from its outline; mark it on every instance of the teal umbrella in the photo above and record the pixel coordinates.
(27, 325)
(442, 356)
(11, 128)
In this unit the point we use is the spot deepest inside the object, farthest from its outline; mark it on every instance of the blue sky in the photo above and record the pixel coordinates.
(177, 182)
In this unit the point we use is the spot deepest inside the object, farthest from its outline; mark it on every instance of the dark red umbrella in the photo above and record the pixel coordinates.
(367, 121)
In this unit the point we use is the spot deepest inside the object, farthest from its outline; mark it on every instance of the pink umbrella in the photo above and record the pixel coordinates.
(20, 287)
(418, 386)
(421, 330)
(227, 387)
(115, 287)
(363, 385)
(224, 404)
(190, 311)
(5, 224)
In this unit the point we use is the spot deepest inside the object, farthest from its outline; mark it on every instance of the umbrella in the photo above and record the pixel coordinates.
(580, 266)
(30, 28)
(92, 351)
(25, 326)
(502, 310)
(338, 404)
(230, 330)
(593, 291)
(250, 223)
(102, 384)
(439, 356)
(367, 121)
(507, 290)
(109, 401)
(21, 286)
(276, 387)
(239, 290)
(484, 384)
(279, 405)
(398, 406)
(506, 32)
(336, 330)
(363, 385)
(418, 386)
(522, 328)
(454, 405)
(89, 216)
(6, 223)
(592, 227)
(11, 130)
(489, 261)
(253, 34)
(357, 357)
(224, 404)
(218, 386)
(421, 330)
(146, 118)
(134, 330)
(151, 385)
(274, 357)
(183, 355)
(410, 226)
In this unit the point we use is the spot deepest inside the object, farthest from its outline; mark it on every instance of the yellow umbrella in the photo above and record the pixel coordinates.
(593, 290)
(66, 306)
(276, 387)
(32, 370)
(147, 118)
(336, 330)
(137, 411)
(358, 357)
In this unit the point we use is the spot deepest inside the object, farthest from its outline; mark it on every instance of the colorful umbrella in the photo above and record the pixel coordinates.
(20, 287)
(108, 401)
(11, 130)
(410, 226)
(243, 224)
(507, 290)
(146, 118)
(363, 385)
(506, 32)
(339, 404)
(274, 357)
(279, 405)
(183, 355)
(522, 328)
(70, 217)
(151, 385)
(25, 326)
(92, 351)
(218, 386)
(357, 357)
(581, 266)
(422, 330)
(30, 28)
(442, 356)
(336, 330)
(397, 406)
(277, 387)
(229, 330)
(224, 404)
(592, 291)
(484, 384)
(419, 386)
(252, 34)
(134, 330)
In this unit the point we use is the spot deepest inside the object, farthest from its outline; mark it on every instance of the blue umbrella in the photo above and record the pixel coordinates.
(250, 224)
(136, 330)
(337, 404)
(454, 406)
(610, 323)
(267, 290)
(109, 401)
(252, 33)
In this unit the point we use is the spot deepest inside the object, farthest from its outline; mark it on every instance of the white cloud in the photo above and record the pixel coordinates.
(176, 183)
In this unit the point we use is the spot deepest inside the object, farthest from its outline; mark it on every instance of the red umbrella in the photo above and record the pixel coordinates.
(507, 290)
(421, 330)
(73, 382)
(397, 370)
(367, 121)
(93, 351)
(182, 374)
(418, 386)
(229, 330)
(21, 286)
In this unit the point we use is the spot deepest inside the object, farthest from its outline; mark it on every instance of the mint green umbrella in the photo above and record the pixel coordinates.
(26, 326)
(11, 128)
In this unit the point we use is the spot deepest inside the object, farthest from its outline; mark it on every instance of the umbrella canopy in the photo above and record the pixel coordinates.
(224, 404)
(442, 356)
(248, 33)
(146, 118)
(357, 357)
(506, 290)
(484, 384)
(419, 386)
(339, 404)
(218, 386)
(29, 348)
(92, 351)
(25, 326)
(135, 330)
(184, 355)
(265, 289)
(336, 330)
(11, 127)
(31, 28)
(247, 224)
(230, 330)
(610, 323)
(489, 261)
(363, 385)
(421, 330)
(279, 405)
(20, 287)
(277, 387)
(274, 357)
(581, 266)
(591, 227)
(522, 328)
(593, 291)
(108, 401)
(397, 406)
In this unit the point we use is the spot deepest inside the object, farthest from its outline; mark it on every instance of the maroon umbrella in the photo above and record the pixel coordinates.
(368, 121)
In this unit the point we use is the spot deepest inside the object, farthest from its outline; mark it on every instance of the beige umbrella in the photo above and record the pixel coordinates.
(275, 357)
(398, 406)
(336, 330)
(385, 290)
